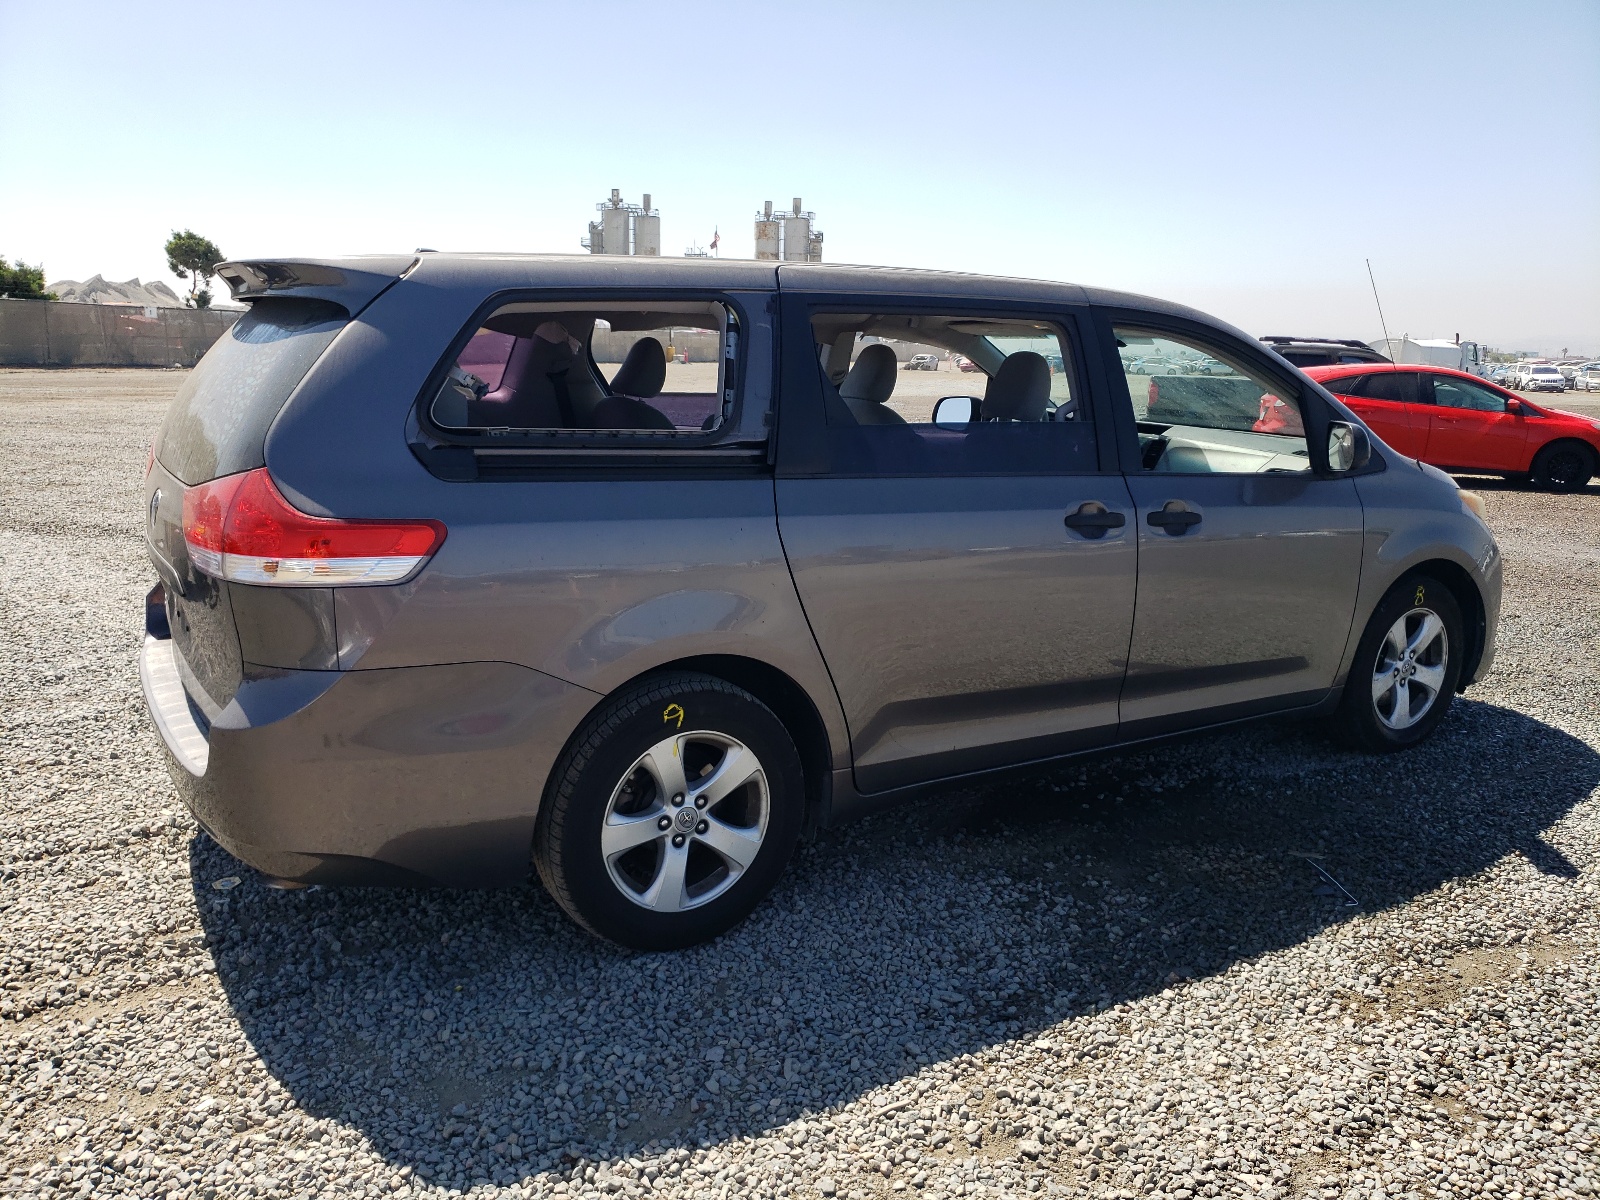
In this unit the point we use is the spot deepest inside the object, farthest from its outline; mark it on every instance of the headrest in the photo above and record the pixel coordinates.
(1019, 391)
(643, 372)
(540, 356)
(872, 378)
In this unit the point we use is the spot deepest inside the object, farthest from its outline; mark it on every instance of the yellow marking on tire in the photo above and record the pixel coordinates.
(1421, 598)
(675, 711)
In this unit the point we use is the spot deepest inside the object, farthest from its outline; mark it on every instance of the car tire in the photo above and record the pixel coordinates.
(1414, 644)
(600, 848)
(1563, 467)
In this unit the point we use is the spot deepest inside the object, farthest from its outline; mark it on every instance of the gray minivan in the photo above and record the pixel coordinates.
(635, 570)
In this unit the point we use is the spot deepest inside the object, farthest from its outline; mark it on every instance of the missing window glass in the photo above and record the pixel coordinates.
(644, 367)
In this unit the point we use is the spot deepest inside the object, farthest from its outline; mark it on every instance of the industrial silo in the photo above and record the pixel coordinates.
(767, 234)
(647, 230)
(614, 226)
(796, 234)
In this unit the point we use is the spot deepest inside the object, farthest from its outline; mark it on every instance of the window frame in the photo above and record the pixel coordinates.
(802, 441)
(1316, 413)
(742, 441)
(1358, 379)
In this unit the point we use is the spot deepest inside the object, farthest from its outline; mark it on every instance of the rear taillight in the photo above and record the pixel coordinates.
(241, 528)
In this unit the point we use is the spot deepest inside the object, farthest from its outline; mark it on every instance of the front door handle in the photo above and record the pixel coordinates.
(1174, 518)
(1094, 520)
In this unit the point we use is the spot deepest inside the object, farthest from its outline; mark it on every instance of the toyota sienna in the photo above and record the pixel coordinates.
(632, 571)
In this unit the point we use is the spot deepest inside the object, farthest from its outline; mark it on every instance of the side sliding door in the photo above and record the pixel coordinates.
(961, 546)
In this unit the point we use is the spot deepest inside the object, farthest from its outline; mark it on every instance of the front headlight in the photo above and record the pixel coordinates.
(1473, 503)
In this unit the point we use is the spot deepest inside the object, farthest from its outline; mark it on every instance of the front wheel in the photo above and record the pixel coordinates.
(1406, 668)
(672, 813)
(1563, 467)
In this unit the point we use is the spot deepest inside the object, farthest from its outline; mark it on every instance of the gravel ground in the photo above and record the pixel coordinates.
(1123, 978)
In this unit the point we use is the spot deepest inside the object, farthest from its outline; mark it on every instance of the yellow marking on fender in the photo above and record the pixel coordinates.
(1420, 597)
(675, 711)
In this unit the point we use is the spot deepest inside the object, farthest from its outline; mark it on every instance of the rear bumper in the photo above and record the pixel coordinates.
(169, 706)
(403, 775)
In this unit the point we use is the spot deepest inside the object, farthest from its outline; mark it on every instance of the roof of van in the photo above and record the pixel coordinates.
(354, 281)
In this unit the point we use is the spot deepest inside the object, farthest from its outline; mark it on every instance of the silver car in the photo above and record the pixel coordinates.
(1543, 378)
(464, 572)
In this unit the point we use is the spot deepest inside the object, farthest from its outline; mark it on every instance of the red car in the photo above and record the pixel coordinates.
(1462, 423)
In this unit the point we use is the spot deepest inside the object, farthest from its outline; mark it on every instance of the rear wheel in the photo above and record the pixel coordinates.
(1563, 466)
(672, 813)
(1406, 667)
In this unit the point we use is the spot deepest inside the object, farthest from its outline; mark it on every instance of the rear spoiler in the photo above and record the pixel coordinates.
(351, 283)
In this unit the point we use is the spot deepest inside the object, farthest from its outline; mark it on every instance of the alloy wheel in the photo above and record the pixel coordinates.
(686, 821)
(1565, 468)
(1411, 668)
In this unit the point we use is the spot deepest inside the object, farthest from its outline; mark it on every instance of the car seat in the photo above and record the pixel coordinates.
(642, 376)
(869, 384)
(1019, 390)
(533, 389)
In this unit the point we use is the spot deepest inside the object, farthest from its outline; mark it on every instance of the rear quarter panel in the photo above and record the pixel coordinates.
(598, 581)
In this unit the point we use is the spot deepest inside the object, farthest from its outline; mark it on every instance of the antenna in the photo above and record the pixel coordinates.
(1384, 324)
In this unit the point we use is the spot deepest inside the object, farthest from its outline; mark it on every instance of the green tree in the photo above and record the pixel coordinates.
(195, 258)
(22, 282)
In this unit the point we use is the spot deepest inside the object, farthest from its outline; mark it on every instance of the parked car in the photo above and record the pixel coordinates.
(1142, 364)
(922, 362)
(1460, 423)
(417, 623)
(1587, 378)
(1322, 352)
(1543, 378)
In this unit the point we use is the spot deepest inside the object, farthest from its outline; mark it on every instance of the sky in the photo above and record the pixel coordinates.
(1247, 159)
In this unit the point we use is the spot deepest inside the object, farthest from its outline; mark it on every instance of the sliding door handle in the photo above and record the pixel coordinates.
(1094, 520)
(1174, 518)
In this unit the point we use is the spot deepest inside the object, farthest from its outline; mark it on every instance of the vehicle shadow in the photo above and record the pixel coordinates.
(1495, 483)
(481, 1036)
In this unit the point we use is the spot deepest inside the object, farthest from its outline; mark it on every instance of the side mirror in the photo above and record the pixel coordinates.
(1349, 448)
(955, 412)
(1514, 407)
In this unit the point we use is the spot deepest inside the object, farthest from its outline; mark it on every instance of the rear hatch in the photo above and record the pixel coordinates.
(217, 426)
